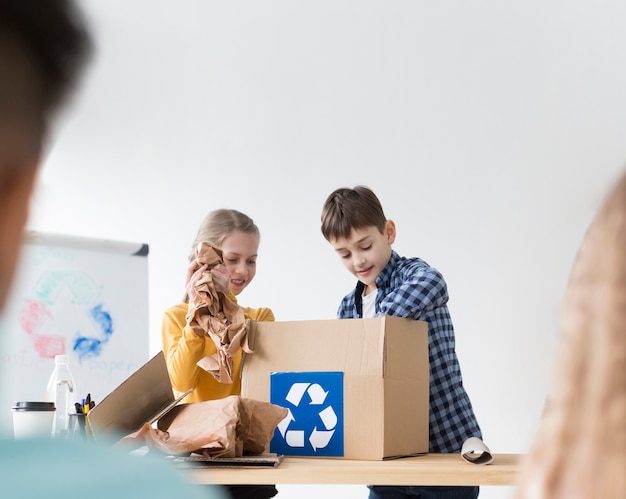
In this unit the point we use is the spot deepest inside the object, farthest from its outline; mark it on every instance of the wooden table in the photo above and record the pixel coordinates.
(430, 469)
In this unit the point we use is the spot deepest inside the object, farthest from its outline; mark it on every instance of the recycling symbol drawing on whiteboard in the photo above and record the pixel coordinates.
(314, 422)
(74, 297)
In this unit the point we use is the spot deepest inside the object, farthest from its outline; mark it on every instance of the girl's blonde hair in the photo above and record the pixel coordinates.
(217, 225)
(580, 448)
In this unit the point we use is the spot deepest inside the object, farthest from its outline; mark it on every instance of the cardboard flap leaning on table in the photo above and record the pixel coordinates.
(142, 398)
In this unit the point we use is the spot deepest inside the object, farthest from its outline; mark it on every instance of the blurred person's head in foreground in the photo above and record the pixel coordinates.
(43, 49)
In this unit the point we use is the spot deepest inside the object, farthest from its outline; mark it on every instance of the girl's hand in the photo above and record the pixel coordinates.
(194, 272)
(221, 278)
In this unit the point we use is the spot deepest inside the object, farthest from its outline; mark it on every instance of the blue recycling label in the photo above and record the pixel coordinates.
(314, 425)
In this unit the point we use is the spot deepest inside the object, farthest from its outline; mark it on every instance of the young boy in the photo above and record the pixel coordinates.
(354, 224)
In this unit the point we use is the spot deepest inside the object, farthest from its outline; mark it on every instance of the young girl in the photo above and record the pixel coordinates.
(238, 237)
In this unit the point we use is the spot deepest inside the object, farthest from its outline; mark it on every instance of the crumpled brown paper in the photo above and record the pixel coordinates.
(213, 314)
(230, 427)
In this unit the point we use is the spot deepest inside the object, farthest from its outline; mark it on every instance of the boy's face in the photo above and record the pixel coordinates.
(366, 252)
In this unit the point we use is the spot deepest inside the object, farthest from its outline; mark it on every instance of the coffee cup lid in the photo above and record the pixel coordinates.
(33, 406)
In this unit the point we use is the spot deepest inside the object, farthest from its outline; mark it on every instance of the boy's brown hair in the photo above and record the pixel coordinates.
(348, 209)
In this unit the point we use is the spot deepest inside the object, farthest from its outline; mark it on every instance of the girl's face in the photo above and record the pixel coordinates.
(239, 251)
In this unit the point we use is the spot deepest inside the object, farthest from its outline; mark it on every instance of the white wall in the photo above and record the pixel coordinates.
(490, 130)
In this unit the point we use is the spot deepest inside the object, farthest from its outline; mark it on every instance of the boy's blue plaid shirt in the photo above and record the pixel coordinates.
(409, 287)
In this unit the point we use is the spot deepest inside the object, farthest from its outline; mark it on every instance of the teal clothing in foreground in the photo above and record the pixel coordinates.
(51, 469)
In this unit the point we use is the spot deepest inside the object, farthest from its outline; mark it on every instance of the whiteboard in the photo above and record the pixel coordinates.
(86, 298)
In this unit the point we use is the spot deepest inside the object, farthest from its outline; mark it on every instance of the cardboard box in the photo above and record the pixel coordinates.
(144, 397)
(384, 371)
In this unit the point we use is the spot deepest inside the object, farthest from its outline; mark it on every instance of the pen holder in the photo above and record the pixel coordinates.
(79, 427)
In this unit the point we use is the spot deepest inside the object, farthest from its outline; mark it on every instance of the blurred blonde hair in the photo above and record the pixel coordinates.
(580, 448)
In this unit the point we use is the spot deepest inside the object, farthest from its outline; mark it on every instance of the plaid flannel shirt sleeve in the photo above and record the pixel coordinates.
(418, 290)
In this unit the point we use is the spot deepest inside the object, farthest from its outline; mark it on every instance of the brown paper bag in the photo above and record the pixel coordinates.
(228, 427)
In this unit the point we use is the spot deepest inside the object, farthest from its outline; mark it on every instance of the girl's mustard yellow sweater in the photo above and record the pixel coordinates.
(183, 348)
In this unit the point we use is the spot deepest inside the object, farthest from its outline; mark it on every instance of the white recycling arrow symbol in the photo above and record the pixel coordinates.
(329, 418)
(317, 394)
(284, 424)
(319, 438)
(296, 392)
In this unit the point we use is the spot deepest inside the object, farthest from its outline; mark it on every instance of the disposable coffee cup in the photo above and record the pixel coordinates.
(33, 419)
